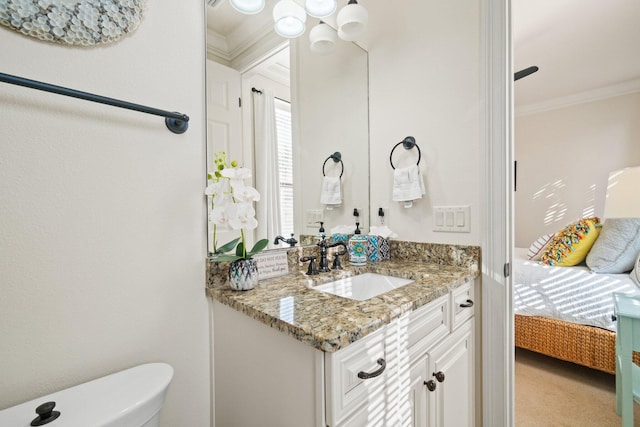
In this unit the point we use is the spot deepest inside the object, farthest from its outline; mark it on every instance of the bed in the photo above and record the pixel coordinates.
(566, 312)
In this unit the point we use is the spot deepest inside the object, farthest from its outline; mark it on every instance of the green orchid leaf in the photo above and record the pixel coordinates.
(227, 246)
(240, 252)
(225, 258)
(258, 247)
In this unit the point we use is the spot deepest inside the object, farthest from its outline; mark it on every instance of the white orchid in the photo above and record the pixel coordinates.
(232, 208)
(242, 216)
(246, 194)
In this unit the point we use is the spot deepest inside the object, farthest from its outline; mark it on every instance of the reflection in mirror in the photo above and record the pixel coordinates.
(321, 107)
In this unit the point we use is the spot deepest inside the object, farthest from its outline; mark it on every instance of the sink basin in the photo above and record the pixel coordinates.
(363, 286)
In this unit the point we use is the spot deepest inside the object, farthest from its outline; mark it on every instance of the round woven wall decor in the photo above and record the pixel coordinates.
(69, 22)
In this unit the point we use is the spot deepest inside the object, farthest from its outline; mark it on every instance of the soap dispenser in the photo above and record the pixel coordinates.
(357, 247)
(320, 236)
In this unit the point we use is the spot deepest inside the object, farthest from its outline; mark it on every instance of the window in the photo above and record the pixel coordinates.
(285, 165)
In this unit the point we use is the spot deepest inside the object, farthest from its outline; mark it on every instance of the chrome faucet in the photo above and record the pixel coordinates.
(323, 265)
(291, 241)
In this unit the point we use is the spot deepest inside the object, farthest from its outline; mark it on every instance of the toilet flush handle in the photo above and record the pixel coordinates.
(46, 414)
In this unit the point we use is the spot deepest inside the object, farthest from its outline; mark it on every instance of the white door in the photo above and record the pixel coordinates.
(224, 124)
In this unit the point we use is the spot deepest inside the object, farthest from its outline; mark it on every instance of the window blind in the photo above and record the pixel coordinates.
(285, 165)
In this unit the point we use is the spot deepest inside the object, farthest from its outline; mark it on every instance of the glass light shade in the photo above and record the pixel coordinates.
(248, 7)
(323, 38)
(352, 21)
(289, 18)
(622, 194)
(320, 8)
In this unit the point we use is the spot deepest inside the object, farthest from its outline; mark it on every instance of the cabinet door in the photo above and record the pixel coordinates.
(452, 403)
(411, 410)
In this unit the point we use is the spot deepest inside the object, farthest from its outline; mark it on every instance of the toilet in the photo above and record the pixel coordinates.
(129, 398)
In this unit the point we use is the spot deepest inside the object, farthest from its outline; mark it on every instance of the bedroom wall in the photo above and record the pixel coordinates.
(102, 214)
(564, 158)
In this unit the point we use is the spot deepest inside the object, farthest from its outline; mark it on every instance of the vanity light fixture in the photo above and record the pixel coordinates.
(352, 21)
(320, 8)
(323, 38)
(248, 7)
(290, 18)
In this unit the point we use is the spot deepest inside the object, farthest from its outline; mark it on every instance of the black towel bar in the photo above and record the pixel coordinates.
(176, 122)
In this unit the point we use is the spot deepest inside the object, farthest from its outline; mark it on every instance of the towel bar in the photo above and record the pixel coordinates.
(176, 122)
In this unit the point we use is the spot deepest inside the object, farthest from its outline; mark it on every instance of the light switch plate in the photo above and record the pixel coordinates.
(454, 219)
(313, 217)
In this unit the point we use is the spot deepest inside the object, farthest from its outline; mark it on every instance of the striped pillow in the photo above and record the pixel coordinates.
(635, 273)
(535, 250)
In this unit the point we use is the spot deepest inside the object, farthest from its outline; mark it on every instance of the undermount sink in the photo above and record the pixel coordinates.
(363, 286)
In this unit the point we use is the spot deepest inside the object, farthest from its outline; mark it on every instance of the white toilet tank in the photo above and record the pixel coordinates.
(129, 398)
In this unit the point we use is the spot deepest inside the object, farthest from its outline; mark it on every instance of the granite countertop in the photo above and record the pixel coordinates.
(328, 322)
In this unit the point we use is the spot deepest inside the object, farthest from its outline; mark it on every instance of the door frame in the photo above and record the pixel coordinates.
(497, 183)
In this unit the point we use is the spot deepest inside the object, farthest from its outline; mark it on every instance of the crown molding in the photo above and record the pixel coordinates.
(619, 89)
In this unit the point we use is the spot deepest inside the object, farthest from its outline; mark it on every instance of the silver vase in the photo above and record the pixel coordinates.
(243, 274)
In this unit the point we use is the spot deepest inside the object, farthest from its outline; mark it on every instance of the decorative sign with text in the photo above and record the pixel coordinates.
(272, 264)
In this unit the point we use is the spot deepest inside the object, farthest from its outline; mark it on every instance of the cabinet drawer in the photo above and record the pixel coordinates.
(346, 392)
(426, 325)
(463, 301)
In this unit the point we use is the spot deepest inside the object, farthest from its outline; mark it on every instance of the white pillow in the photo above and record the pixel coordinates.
(535, 250)
(616, 247)
(635, 273)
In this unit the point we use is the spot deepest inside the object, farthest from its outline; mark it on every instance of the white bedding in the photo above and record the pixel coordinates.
(573, 294)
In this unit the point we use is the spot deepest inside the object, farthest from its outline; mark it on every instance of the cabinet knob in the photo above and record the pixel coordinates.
(366, 375)
(439, 376)
(467, 304)
(431, 385)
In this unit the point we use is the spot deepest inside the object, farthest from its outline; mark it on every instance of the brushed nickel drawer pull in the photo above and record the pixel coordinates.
(366, 375)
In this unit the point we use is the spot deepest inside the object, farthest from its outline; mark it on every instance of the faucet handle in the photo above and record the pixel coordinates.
(336, 261)
(312, 270)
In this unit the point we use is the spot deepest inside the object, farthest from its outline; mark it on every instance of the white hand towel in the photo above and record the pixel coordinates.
(331, 193)
(407, 184)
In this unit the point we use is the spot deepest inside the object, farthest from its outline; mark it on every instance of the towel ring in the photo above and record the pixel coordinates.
(336, 157)
(408, 143)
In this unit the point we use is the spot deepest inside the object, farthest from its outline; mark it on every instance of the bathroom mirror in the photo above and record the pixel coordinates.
(329, 112)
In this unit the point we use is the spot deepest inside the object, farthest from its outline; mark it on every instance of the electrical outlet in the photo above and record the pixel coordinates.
(382, 220)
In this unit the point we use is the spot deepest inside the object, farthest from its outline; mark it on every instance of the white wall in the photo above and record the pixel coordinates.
(424, 59)
(564, 158)
(102, 218)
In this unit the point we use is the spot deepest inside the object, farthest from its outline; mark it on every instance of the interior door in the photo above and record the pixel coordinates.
(224, 123)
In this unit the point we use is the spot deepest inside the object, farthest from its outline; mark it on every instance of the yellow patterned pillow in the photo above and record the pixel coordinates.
(571, 245)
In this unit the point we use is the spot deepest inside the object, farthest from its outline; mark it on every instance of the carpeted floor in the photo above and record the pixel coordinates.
(550, 392)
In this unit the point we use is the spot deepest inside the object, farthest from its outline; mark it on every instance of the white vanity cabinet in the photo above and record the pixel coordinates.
(429, 378)
(264, 377)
